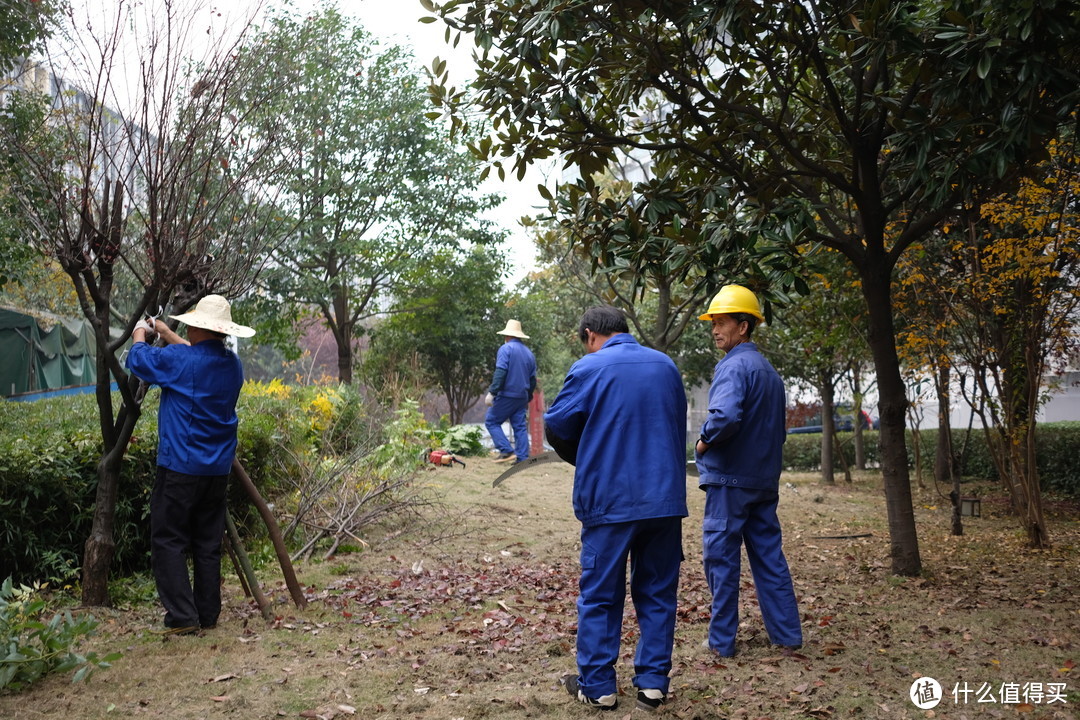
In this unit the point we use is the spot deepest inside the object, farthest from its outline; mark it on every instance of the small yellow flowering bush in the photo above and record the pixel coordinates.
(273, 389)
(321, 410)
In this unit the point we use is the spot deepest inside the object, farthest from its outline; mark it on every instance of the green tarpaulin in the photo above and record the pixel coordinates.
(44, 352)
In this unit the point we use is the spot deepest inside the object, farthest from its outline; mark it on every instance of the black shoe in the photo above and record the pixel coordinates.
(503, 457)
(650, 698)
(604, 702)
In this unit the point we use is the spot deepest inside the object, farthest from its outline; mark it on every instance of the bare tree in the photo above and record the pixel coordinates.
(152, 193)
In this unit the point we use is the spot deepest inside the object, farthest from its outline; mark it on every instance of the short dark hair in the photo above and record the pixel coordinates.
(602, 320)
(213, 333)
(751, 321)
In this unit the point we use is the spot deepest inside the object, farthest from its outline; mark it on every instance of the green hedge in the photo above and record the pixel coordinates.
(1057, 453)
(49, 450)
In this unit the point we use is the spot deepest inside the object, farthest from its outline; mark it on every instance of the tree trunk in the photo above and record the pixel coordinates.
(1034, 519)
(828, 431)
(1020, 379)
(116, 429)
(860, 449)
(916, 450)
(945, 469)
(858, 439)
(843, 458)
(100, 546)
(904, 541)
(944, 461)
(342, 330)
(345, 362)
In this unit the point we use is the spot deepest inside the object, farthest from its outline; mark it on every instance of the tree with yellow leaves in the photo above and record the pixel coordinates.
(1011, 310)
(925, 292)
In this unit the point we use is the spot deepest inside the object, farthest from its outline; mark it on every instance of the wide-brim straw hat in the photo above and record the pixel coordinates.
(513, 329)
(213, 313)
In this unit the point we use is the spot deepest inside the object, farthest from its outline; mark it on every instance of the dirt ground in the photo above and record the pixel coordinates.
(475, 618)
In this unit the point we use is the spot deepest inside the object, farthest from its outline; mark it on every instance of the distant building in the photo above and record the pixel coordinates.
(115, 145)
(1062, 402)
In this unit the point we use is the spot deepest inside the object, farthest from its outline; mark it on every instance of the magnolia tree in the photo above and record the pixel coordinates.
(148, 193)
(772, 127)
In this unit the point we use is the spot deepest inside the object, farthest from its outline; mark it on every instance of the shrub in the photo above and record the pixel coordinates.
(1057, 449)
(32, 648)
(48, 478)
(50, 448)
(462, 439)
(802, 452)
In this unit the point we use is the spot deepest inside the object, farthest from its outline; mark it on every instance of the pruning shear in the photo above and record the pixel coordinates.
(154, 317)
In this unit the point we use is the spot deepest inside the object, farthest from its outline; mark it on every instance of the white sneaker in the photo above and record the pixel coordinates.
(649, 699)
(604, 702)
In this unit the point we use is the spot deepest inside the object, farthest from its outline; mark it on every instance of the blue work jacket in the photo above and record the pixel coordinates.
(745, 425)
(197, 420)
(625, 407)
(518, 366)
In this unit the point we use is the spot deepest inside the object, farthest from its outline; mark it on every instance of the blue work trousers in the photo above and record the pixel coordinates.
(187, 516)
(654, 547)
(516, 411)
(736, 517)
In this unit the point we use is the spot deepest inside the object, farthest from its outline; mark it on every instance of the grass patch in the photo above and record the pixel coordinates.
(479, 622)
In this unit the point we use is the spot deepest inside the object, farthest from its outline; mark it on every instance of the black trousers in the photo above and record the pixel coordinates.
(187, 516)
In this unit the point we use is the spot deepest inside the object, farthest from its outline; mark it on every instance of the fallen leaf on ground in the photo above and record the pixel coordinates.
(223, 678)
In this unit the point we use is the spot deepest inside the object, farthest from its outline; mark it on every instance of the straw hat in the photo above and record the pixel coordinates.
(513, 329)
(213, 313)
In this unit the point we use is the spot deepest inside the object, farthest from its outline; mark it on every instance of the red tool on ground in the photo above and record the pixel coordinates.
(442, 457)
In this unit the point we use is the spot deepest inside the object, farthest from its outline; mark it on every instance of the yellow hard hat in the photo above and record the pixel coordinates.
(733, 299)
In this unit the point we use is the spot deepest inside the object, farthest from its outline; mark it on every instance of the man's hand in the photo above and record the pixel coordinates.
(489, 399)
(169, 335)
(144, 330)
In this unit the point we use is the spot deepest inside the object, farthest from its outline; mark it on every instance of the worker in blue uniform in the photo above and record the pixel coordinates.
(739, 459)
(621, 419)
(200, 380)
(508, 397)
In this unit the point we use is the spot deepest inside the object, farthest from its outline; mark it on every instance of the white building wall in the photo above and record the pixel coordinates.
(697, 408)
(1063, 405)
